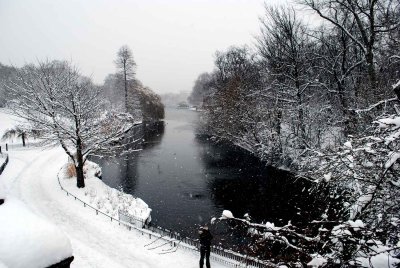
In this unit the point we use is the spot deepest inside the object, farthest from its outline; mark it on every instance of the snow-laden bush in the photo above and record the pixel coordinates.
(362, 183)
(104, 198)
(89, 169)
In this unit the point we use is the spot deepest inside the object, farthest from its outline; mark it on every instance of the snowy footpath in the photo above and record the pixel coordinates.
(31, 176)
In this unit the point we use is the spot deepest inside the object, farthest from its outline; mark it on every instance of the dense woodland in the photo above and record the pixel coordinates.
(322, 100)
(304, 87)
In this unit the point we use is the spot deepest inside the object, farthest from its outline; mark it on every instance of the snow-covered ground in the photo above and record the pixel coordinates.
(31, 176)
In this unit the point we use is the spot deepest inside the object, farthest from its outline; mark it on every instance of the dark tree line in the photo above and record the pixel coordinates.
(323, 100)
(303, 88)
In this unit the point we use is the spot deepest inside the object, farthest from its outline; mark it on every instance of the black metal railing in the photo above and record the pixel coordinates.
(220, 254)
(3, 166)
(175, 240)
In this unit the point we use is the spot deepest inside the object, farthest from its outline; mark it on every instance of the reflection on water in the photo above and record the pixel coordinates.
(187, 180)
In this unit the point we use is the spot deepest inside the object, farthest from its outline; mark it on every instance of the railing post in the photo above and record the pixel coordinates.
(6, 147)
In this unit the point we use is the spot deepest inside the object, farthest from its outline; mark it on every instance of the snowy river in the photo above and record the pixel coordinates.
(187, 180)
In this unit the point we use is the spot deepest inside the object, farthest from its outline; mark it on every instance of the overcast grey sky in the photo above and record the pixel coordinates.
(173, 41)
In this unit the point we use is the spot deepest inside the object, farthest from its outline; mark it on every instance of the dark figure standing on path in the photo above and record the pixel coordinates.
(205, 245)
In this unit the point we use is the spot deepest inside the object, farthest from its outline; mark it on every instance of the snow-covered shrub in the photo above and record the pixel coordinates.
(70, 170)
(361, 181)
(104, 198)
(89, 169)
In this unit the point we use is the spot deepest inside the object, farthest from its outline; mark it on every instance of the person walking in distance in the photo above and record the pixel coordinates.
(205, 245)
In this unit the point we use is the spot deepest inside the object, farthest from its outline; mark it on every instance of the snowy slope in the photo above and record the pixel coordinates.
(96, 242)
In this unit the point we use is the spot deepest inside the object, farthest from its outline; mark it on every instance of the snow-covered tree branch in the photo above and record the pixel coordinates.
(67, 109)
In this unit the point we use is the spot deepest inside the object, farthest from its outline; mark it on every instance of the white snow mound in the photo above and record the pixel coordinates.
(317, 261)
(28, 240)
(226, 214)
(102, 197)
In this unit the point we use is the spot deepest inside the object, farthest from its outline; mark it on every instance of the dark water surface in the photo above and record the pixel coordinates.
(187, 180)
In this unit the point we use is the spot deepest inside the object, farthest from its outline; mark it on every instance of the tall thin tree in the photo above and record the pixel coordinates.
(126, 66)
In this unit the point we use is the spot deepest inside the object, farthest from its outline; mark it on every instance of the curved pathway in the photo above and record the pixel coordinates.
(31, 176)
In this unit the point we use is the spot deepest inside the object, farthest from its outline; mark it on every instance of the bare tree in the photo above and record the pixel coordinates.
(6, 73)
(112, 88)
(200, 89)
(339, 64)
(286, 49)
(126, 66)
(231, 91)
(372, 19)
(66, 109)
(152, 109)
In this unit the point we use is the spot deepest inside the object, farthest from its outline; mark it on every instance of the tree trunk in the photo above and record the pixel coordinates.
(279, 130)
(80, 179)
(23, 138)
(349, 125)
(278, 123)
(371, 73)
(301, 131)
(301, 126)
(126, 89)
(370, 48)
